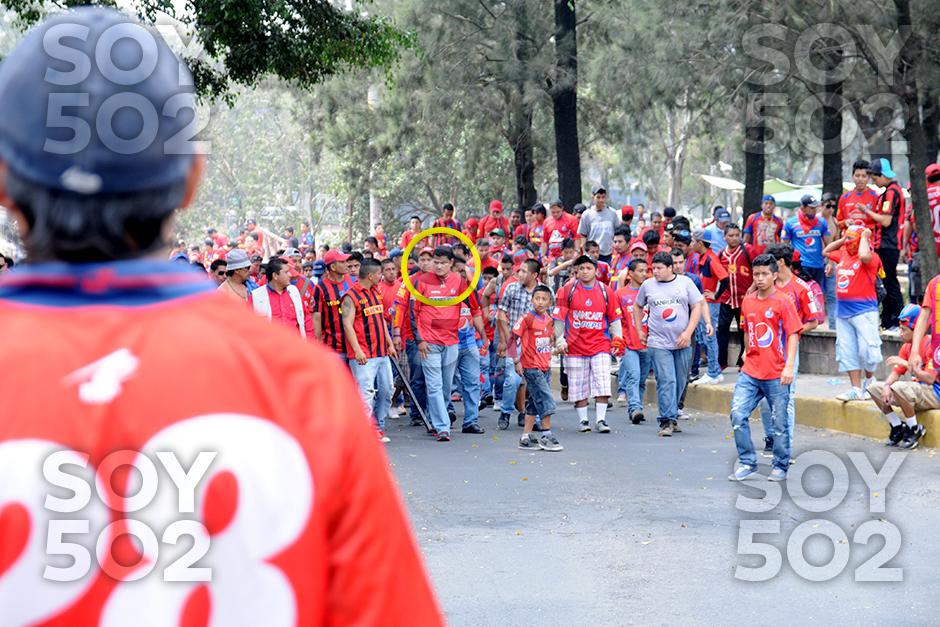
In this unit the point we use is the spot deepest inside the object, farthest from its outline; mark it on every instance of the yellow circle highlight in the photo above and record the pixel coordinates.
(447, 302)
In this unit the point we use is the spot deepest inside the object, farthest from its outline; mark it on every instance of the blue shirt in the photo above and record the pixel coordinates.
(718, 242)
(808, 243)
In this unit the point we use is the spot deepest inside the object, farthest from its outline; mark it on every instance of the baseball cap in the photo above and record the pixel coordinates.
(104, 148)
(319, 268)
(702, 235)
(683, 237)
(932, 170)
(768, 197)
(496, 205)
(626, 211)
(427, 250)
(881, 167)
(237, 259)
(483, 242)
(600, 189)
(809, 200)
(585, 259)
(498, 232)
(639, 245)
(256, 258)
(332, 256)
(829, 196)
(908, 315)
(292, 252)
(723, 215)
(854, 231)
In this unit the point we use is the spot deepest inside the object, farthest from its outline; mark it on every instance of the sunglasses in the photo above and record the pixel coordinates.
(829, 204)
(220, 273)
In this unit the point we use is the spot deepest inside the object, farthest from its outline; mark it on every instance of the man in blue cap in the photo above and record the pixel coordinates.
(93, 171)
(716, 230)
(889, 211)
(809, 234)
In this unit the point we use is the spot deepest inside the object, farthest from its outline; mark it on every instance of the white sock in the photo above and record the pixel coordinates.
(601, 411)
(911, 422)
(893, 419)
(582, 413)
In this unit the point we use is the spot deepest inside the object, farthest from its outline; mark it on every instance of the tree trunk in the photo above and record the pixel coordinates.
(913, 132)
(349, 217)
(832, 138)
(931, 118)
(375, 205)
(520, 139)
(877, 131)
(755, 130)
(564, 94)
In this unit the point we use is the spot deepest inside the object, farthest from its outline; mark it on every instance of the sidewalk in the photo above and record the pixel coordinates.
(816, 406)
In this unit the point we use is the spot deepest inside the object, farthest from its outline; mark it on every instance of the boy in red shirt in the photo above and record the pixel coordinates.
(535, 333)
(773, 335)
(736, 259)
(635, 365)
(593, 250)
(858, 205)
(763, 229)
(558, 227)
(910, 396)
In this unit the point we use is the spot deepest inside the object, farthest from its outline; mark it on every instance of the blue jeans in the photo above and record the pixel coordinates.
(748, 392)
(415, 378)
(671, 367)
(376, 383)
(832, 306)
(634, 368)
(766, 413)
(467, 380)
(497, 371)
(511, 383)
(711, 341)
(438, 375)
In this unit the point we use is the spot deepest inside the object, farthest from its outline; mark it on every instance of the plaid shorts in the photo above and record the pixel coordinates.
(588, 376)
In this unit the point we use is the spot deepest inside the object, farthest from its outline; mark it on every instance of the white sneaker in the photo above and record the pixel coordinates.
(622, 399)
(853, 394)
(707, 380)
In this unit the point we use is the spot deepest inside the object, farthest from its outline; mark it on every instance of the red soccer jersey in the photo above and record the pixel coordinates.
(403, 307)
(855, 283)
(326, 307)
(851, 210)
(522, 229)
(439, 325)
(389, 293)
(738, 264)
(556, 231)
(603, 272)
(535, 333)
(535, 232)
(369, 323)
(802, 298)
(492, 222)
(763, 230)
(296, 515)
(627, 300)
(905, 354)
(711, 272)
(587, 313)
(931, 296)
(406, 238)
(768, 323)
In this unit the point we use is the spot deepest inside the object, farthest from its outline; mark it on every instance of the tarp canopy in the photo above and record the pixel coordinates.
(777, 186)
(723, 183)
(791, 199)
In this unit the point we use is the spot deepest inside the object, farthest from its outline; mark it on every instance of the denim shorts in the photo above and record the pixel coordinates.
(539, 401)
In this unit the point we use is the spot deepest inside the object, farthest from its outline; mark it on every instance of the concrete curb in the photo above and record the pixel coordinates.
(857, 417)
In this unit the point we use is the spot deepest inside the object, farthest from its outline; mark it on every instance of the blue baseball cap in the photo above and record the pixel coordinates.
(881, 167)
(723, 215)
(95, 103)
(908, 315)
(809, 201)
(768, 197)
(319, 268)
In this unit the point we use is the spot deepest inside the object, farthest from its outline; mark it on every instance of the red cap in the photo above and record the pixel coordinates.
(427, 249)
(471, 223)
(626, 211)
(639, 245)
(932, 170)
(333, 256)
(497, 205)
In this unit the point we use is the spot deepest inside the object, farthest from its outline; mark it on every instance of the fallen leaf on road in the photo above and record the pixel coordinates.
(518, 533)
(513, 462)
(684, 526)
(876, 493)
(646, 542)
(525, 478)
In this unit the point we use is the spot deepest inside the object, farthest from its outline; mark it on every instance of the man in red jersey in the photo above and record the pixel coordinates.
(404, 340)
(446, 221)
(297, 513)
(327, 296)
(736, 258)
(558, 227)
(859, 205)
(773, 336)
(414, 227)
(587, 317)
(764, 228)
(388, 287)
(635, 365)
(435, 329)
(368, 343)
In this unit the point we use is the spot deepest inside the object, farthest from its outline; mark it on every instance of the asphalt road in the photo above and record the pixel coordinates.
(629, 528)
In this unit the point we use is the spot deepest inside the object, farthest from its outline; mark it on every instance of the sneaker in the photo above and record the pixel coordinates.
(432, 433)
(622, 399)
(550, 443)
(897, 435)
(384, 439)
(487, 400)
(503, 423)
(854, 394)
(777, 474)
(675, 427)
(602, 427)
(584, 427)
(453, 417)
(455, 397)
(683, 415)
(914, 434)
(709, 380)
(564, 392)
(529, 443)
(768, 448)
(666, 430)
(443, 436)
(636, 416)
(742, 472)
(694, 376)
(520, 419)
(474, 428)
